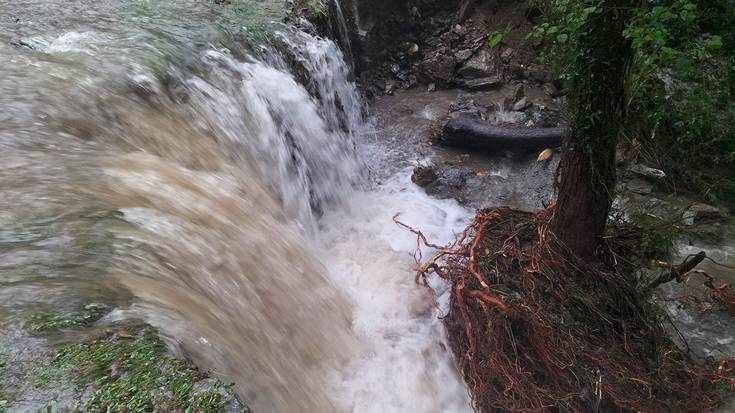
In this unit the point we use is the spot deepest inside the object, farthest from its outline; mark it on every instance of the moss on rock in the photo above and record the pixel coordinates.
(128, 369)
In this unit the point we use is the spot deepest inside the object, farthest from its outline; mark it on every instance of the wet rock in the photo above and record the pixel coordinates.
(639, 186)
(521, 105)
(519, 92)
(459, 29)
(506, 55)
(423, 175)
(517, 71)
(647, 172)
(144, 87)
(550, 89)
(468, 107)
(544, 117)
(687, 218)
(482, 83)
(463, 55)
(390, 86)
(31, 43)
(453, 177)
(437, 68)
(700, 211)
(482, 65)
(541, 74)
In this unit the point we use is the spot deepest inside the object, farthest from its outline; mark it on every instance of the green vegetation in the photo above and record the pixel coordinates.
(317, 8)
(679, 88)
(131, 371)
(48, 321)
(494, 38)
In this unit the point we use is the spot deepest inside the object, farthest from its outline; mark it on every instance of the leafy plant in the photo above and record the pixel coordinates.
(494, 38)
(679, 86)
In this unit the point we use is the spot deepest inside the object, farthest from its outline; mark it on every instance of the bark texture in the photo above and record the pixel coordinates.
(468, 131)
(587, 167)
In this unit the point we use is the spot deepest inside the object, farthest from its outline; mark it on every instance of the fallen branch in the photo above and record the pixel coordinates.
(678, 272)
(468, 131)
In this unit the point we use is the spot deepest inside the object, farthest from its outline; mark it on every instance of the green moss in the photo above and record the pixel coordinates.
(316, 8)
(132, 371)
(46, 321)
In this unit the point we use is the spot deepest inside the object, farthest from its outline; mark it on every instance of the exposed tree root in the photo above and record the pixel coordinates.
(533, 330)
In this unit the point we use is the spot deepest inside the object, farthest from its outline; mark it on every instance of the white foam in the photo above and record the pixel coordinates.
(407, 367)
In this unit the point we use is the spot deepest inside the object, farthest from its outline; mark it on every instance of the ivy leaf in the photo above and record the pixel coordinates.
(494, 38)
(715, 42)
(667, 53)
(562, 38)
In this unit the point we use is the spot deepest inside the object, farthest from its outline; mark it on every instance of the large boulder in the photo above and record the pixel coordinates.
(438, 67)
(484, 64)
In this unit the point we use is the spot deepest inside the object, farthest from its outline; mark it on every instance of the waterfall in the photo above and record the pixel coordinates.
(224, 192)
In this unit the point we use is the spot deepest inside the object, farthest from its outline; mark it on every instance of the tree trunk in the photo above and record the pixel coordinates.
(468, 131)
(587, 168)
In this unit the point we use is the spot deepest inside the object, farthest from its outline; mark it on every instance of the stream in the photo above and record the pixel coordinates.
(215, 172)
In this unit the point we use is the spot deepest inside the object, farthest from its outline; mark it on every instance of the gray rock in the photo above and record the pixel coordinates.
(438, 67)
(688, 218)
(459, 29)
(541, 74)
(453, 177)
(647, 172)
(702, 211)
(423, 176)
(521, 105)
(550, 89)
(482, 83)
(481, 65)
(519, 92)
(507, 53)
(640, 186)
(463, 55)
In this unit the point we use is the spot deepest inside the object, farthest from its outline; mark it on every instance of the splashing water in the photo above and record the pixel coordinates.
(219, 192)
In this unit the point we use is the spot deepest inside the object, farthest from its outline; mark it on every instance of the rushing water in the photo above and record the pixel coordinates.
(151, 161)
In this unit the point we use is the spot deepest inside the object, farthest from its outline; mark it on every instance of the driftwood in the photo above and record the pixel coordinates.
(677, 272)
(468, 131)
